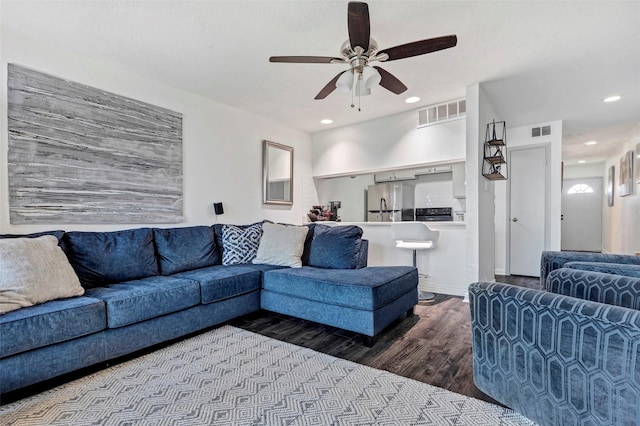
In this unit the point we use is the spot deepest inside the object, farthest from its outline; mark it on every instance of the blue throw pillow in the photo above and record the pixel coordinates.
(101, 258)
(240, 245)
(335, 247)
(183, 249)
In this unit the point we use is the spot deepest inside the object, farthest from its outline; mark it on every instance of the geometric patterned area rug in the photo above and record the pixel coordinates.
(230, 376)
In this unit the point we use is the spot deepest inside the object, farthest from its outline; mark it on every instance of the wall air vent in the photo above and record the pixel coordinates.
(540, 131)
(440, 113)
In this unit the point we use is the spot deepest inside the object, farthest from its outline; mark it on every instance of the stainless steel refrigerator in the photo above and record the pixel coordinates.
(390, 202)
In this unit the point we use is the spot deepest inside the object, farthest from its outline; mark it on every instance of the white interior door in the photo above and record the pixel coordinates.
(528, 185)
(582, 214)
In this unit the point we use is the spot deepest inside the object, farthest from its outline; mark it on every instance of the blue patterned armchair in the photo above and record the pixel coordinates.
(568, 354)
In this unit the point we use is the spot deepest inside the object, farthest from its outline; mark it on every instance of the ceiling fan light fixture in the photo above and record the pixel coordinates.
(370, 76)
(345, 82)
(412, 99)
(362, 89)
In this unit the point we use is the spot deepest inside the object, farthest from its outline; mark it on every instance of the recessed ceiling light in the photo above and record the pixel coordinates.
(326, 121)
(582, 161)
(591, 143)
(613, 98)
(412, 100)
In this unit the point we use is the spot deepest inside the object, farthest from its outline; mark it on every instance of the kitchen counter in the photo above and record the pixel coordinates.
(434, 224)
(442, 269)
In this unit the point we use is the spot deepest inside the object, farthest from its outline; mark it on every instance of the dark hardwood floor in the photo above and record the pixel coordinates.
(432, 346)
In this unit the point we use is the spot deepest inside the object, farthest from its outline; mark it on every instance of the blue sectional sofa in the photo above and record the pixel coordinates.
(568, 353)
(147, 286)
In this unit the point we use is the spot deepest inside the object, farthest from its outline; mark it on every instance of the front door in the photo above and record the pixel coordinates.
(528, 185)
(582, 214)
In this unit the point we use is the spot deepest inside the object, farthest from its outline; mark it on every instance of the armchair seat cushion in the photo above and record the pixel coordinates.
(222, 282)
(135, 301)
(366, 289)
(51, 322)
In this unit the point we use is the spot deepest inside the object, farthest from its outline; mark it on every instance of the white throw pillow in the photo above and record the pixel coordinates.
(281, 245)
(34, 270)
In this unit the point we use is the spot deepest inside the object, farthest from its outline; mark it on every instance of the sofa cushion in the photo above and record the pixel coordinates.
(222, 282)
(606, 268)
(335, 247)
(281, 245)
(52, 322)
(34, 270)
(134, 301)
(367, 288)
(183, 249)
(111, 257)
(240, 245)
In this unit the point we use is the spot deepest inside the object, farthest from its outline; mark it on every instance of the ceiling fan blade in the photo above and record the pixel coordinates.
(420, 47)
(390, 82)
(358, 24)
(330, 87)
(305, 59)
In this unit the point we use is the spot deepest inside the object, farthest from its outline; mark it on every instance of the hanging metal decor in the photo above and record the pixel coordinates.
(494, 164)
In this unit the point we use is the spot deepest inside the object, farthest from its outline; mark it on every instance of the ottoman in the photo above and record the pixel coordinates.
(362, 300)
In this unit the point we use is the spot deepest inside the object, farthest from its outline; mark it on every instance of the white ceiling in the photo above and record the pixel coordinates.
(540, 60)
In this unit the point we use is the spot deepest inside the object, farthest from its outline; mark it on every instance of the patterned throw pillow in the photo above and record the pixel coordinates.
(240, 245)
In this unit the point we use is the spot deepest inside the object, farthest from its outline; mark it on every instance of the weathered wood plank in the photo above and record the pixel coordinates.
(78, 154)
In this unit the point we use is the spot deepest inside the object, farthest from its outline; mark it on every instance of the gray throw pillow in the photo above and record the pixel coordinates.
(281, 245)
(34, 270)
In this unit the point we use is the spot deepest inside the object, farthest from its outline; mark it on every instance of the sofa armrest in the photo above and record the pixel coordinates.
(553, 357)
(599, 287)
(551, 260)
(363, 254)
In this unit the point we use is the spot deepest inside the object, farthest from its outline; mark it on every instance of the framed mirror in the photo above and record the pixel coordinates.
(277, 173)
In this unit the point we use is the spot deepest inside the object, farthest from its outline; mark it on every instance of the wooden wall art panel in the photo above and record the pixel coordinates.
(77, 154)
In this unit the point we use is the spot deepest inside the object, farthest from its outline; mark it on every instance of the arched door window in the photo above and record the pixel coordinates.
(580, 188)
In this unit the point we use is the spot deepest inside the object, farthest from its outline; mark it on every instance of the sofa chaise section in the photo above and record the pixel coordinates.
(363, 300)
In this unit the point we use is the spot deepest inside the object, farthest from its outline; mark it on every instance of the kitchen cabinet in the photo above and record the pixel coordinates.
(390, 176)
(458, 176)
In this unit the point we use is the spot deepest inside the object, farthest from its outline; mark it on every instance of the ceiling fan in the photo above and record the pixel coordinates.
(360, 50)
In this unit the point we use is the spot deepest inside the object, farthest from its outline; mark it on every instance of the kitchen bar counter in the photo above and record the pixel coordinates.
(434, 224)
(445, 265)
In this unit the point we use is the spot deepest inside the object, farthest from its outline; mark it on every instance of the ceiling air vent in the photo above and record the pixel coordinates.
(440, 113)
(540, 131)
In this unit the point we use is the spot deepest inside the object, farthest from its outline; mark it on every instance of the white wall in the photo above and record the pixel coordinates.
(222, 146)
(621, 223)
(480, 191)
(386, 143)
(436, 190)
(521, 137)
(350, 191)
(575, 171)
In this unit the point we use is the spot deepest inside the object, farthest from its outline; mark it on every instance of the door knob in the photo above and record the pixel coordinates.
(515, 219)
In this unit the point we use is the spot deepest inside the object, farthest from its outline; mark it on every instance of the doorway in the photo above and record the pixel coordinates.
(582, 214)
(528, 189)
